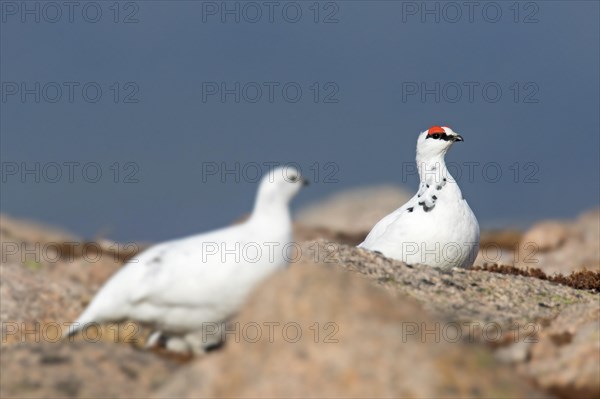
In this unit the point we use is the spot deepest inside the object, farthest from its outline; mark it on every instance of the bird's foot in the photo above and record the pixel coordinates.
(155, 340)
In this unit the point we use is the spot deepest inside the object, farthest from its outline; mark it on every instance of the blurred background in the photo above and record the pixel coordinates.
(150, 120)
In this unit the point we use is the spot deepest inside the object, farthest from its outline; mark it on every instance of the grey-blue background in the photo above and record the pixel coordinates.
(369, 54)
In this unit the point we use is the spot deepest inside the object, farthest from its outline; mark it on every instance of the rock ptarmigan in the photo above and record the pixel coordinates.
(436, 227)
(188, 288)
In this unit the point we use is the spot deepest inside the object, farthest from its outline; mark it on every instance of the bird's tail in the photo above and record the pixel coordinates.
(71, 332)
(82, 322)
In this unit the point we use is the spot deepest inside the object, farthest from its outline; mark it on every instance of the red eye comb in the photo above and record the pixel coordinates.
(435, 129)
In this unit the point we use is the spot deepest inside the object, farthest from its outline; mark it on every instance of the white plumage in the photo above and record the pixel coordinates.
(436, 227)
(187, 286)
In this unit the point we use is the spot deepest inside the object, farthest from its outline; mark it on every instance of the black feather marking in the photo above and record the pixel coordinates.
(162, 341)
(440, 136)
(157, 260)
(410, 209)
(214, 347)
(425, 207)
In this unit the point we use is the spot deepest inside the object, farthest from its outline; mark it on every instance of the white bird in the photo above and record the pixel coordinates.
(436, 227)
(188, 288)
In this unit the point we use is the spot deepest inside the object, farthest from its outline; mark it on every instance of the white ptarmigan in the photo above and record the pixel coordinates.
(188, 288)
(436, 227)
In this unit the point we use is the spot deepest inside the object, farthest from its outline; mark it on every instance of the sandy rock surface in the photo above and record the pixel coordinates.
(81, 370)
(566, 360)
(471, 296)
(48, 274)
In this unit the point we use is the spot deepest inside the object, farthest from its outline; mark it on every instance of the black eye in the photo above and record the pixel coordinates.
(436, 135)
(293, 179)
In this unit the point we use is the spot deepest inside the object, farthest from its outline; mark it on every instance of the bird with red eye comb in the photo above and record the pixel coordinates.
(436, 227)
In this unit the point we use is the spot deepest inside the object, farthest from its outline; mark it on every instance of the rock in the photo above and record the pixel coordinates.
(304, 233)
(498, 247)
(490, 254)
(80, 369)
(566, 359)
(514, 353)
(547, 235)
(565, 247)
(503, 239)
(356, 341)
(28, 297)
(354, 211)
(468, 296)
(42, 282)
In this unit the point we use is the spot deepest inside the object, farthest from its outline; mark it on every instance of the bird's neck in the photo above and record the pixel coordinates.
(272, 213)
(432, 168)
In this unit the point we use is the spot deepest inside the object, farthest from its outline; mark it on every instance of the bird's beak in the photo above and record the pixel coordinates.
(458, 137)
(305, 182)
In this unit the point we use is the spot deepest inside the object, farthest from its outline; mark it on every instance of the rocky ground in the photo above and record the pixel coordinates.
(339, 322)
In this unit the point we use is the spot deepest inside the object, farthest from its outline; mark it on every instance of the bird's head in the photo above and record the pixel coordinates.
(280, 185)
(436, 141)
